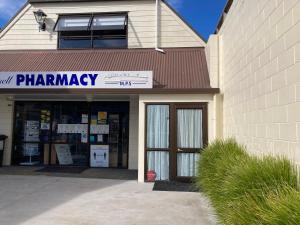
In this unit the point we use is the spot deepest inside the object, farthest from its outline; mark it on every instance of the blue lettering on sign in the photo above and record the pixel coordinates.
(6, 80)
(50, 80)
(93, 78)
(55, 80)
(20, 79)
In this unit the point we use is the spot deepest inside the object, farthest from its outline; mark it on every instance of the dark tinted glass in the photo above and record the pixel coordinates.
(110, 43)
(74, 39)
(93, 39)
(70, 43)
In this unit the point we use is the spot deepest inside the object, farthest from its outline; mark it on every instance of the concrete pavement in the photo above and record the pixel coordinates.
(44, 200)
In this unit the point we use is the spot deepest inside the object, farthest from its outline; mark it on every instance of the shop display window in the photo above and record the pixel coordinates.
(71, 134)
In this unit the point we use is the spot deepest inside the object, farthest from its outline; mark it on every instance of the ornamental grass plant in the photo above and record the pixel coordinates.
(246, 189)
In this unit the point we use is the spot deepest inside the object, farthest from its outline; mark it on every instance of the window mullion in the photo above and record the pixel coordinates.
(91, 30)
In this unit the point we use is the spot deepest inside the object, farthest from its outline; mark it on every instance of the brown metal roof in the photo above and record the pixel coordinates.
(178, 68)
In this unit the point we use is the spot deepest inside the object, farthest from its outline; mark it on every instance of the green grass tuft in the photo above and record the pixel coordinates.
(248, 190)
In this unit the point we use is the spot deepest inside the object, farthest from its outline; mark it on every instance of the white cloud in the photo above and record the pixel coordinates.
(176, 3)
(8, 8)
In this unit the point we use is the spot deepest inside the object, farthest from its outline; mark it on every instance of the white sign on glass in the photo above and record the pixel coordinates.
(72, 128)
(99, 129)
(99, 156)
(32, 131)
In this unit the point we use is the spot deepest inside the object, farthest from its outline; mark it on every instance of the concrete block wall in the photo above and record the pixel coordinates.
(260, 75)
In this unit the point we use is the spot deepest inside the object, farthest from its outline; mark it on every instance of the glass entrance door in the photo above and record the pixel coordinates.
(175, 135)
(70, 145)
(190, 139)
(109, 126)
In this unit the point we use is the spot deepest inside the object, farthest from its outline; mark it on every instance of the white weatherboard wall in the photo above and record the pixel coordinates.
(213, 121)
(6, 124)
(23, 32)
(260, 75)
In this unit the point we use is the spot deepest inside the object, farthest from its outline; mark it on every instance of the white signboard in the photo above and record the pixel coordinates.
(76, 80)
(99, 129)
(63, 154)
(99, 156)
(72, 128)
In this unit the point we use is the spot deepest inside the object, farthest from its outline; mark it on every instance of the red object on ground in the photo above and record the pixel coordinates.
(151, 175)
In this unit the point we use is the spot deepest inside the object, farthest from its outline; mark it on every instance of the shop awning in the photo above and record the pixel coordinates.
(179, 70)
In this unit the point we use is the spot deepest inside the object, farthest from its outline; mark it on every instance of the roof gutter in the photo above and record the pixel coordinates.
(157, 6)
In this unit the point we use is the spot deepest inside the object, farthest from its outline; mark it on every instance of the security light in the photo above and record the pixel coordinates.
(40, 18)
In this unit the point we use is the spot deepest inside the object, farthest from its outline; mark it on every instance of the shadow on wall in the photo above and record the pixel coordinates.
(50, 23)
(136, 37)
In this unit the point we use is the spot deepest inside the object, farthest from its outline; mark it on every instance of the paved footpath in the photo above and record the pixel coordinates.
(44, 200)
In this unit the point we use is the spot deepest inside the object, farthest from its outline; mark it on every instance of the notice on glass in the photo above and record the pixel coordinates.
(99, 129)
(99, 156)
(32, 130)
(100, 138)
(45, 126)
(31, 150)
(45, 119)
(84, 138)
(102, 117)
(84, 118)
(63, 154)
(72, 128)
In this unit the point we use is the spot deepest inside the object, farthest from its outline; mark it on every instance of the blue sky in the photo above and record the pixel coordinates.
(203, 15)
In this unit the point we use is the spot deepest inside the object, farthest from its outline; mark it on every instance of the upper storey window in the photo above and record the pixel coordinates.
(92, 31)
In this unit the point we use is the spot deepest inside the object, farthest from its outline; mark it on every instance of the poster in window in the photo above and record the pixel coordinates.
(99, 156)
(30, 151)
(100, 138)
(84, 118)
(84, 138)
(45, 126)
(99, 129)
(102, 117)
(32, 131)
(45, 119)
(93, 120)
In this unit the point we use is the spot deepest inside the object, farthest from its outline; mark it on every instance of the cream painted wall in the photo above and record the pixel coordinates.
(6, 124)
(212, 57)
(173, 32)
(133, 132)
(143, 99)
(260, 75)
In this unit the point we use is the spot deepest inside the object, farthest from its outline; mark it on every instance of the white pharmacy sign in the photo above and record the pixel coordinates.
(76, 80)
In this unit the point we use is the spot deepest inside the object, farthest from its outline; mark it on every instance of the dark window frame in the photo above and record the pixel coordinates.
(173, 106)
(91, 36)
